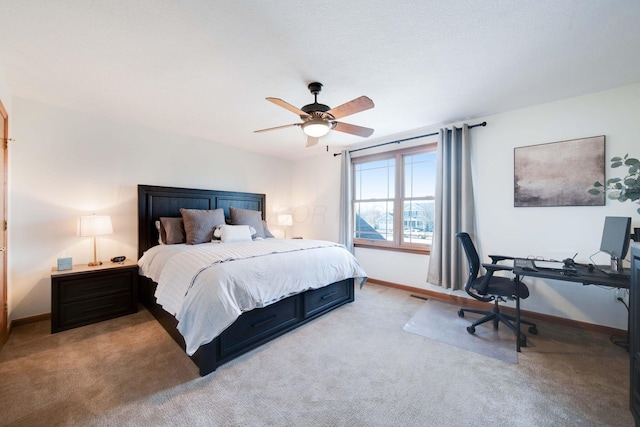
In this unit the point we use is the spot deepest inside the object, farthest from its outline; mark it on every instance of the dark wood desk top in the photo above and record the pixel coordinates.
(582, 275)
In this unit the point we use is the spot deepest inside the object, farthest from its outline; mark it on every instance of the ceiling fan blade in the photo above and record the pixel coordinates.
(311, 141)
(277, 127)
(352, 107)
(287, 106)
(353, 129)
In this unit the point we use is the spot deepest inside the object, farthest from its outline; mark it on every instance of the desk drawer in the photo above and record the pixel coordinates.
(320, 299)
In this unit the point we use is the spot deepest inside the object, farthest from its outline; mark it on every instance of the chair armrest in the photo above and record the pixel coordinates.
(497, 258)
(492, 268)
(497, 267)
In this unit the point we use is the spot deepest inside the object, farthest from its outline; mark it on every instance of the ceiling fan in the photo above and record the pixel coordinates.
(319, 119)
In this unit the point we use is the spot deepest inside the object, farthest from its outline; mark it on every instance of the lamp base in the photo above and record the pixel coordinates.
(93, 264)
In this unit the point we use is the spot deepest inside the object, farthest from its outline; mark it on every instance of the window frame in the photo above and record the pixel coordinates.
(398, 201)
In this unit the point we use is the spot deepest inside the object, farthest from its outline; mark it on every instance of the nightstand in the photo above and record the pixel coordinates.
(85, 295)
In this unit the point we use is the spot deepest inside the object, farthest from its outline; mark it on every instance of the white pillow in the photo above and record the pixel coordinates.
(234, 233)
(160, 242)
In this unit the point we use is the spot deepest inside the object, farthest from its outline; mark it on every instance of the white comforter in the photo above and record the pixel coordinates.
(208, 286)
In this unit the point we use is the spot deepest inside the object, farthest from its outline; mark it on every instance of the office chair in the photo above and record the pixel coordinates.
(489, 288)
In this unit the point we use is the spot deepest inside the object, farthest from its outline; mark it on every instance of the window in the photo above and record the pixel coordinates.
(393, 199)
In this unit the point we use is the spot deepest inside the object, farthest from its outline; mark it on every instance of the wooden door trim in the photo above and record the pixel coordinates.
(4, 331)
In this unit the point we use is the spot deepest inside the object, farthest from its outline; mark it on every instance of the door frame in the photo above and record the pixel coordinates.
(4, 328)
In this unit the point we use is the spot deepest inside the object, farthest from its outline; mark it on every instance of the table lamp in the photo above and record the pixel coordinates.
(285, 220)
(92, 226)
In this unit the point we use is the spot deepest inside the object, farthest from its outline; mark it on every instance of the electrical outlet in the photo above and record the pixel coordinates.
(622, 294)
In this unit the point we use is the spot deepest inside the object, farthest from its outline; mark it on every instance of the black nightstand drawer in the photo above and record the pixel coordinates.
(97, 309)
(75, 289)
(85, 294)
(253, 325)
(323, 298)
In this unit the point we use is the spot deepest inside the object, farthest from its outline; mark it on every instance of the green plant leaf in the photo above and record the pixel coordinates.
(621, 189)
(633, 194)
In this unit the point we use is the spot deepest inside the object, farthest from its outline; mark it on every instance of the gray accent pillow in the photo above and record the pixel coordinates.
(247, 217)
(199, 224)
(267, 233)
(172, 230)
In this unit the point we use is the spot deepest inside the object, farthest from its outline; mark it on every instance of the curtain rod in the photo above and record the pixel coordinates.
(405, 139)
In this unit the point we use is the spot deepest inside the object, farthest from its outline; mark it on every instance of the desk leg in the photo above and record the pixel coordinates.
(623, 342)
(517, 279)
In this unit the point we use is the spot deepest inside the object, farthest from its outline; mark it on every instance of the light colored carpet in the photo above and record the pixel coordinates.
(439, 321)
(353, 367)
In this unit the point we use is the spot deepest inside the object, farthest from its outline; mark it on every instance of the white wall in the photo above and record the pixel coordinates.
(5, 93)
(554, 232)
(316, 197)
(66, 164)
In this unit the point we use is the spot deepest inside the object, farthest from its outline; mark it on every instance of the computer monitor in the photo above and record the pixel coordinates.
(615, 239)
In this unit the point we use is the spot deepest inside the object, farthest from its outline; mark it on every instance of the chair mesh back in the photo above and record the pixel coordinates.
(472, 257)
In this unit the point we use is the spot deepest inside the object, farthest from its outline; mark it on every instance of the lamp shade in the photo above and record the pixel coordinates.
(94, 225)
(316, 127)
(286, 220)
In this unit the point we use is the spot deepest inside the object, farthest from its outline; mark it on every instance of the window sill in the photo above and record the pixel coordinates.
(406, 249)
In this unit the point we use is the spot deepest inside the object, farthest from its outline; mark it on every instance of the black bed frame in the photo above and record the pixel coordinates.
(253, 328)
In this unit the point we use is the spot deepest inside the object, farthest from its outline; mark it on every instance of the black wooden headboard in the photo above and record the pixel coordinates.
(155, 201)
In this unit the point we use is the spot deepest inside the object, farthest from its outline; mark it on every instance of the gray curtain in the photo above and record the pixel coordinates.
(454, 208)
(346, 223)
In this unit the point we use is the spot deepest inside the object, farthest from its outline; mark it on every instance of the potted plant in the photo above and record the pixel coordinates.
(621, 189)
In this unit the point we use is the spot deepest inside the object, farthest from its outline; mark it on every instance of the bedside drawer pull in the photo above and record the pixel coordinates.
(329, 295)
(262, 322)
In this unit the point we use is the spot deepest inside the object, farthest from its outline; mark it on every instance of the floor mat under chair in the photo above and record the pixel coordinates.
(439, 321)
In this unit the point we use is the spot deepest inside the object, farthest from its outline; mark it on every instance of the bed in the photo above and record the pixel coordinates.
(251, 327)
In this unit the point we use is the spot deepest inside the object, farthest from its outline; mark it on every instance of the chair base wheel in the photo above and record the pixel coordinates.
(533, 330)
(471, 329)
(523, 341)
(460, 313)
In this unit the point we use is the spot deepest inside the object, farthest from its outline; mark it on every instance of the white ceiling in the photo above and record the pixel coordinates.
(203, 68)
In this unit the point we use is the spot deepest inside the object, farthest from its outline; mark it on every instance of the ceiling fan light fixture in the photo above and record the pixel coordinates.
(316, 127)
(319, 119)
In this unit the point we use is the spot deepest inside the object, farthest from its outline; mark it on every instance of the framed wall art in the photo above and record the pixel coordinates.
(559, 173)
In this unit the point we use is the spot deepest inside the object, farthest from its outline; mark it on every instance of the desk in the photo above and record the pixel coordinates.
(582, 275)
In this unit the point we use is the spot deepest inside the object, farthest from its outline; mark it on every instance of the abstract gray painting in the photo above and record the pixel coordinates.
(559, 173)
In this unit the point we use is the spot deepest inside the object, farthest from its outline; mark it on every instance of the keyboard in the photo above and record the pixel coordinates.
(525, 264)
(552, 265)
